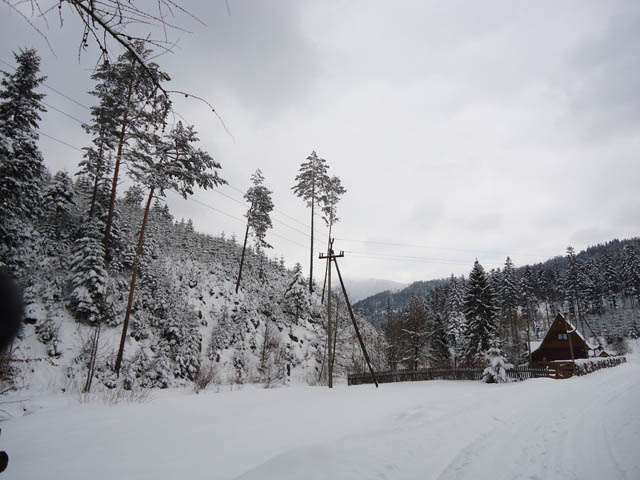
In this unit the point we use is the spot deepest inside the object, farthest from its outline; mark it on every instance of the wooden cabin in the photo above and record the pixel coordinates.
(557, 343)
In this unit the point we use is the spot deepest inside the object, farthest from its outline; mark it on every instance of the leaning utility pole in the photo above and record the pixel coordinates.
(333, 257)
(329, 330)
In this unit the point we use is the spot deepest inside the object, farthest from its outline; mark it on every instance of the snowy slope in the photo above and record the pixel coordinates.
(583, 428)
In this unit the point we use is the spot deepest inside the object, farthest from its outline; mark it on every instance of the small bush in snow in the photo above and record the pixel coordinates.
(496, 371)
(206, 374)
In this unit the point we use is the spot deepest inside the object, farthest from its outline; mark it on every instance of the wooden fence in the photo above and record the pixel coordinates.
(391, 376)
(550, 370)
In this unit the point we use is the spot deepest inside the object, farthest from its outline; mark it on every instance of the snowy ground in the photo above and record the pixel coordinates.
(582, 428)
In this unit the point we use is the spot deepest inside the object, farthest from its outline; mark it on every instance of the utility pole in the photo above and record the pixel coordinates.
(333, 257)
(329, 329)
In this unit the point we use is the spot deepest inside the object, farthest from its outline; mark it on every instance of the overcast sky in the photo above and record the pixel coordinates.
(460, 130)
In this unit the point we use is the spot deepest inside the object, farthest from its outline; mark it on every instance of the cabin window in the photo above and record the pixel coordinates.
(563, 336)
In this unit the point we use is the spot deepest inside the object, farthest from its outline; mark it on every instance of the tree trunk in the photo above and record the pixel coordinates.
(326, 270)
(313, 198)
(335, 335)
(116, 170)
(329, 329)
(244, 247)
(132, 286)
(95, 186)
(92, 359)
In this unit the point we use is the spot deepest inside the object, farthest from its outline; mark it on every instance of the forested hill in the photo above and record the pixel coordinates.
(601, 263)
(374, 307)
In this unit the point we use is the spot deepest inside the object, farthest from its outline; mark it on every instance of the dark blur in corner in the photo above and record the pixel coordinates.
(11, 309)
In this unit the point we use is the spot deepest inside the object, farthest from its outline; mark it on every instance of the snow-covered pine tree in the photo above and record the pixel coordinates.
(529, 303)
(439, 348)
(573, 285)
(509, 294)
(258, 216)
(59, 202)
(479, 311)
(415, 333)
(135, 102)
(332, 191)
(161, 163)
(309, 181)
(296, 293)
(594, 290)
(392, 329)
(631, 273)
(106, 117)
(21, 167)
(610, 279)
(496, 370)
(456, 323)
(87, 273)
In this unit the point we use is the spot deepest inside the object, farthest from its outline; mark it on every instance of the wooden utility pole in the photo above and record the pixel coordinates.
(333, 257)
(329, 329)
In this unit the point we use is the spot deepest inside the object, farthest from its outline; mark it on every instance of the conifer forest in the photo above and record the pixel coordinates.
(431, 269)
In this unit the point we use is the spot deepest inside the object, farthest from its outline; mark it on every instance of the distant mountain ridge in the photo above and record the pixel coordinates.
(360, 289)
(374, 307)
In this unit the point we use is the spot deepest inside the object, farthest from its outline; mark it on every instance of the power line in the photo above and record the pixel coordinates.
(433, 247)
(51, 88)
(63, 112)
(275, 209)
(211, 207)
(275, 219)
(60, 141)
(405, 258)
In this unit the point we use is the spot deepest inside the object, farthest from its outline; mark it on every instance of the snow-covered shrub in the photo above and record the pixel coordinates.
(206, 374)
(47, 332)
(496, 370)
(590, 365)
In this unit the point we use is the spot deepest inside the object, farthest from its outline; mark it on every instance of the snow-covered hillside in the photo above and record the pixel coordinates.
(585, 428)
(185, 313)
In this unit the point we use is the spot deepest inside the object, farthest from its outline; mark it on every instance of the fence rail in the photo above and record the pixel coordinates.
(550, 370)
(391, 376)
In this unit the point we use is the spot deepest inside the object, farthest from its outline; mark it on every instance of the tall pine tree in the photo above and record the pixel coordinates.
(480, 314)
(258, 216)
(310, 180)
(21, 167)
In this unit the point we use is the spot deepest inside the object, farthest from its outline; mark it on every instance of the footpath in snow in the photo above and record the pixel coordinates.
(583, 428)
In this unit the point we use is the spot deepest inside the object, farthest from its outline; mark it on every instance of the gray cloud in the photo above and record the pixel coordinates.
(470, 129)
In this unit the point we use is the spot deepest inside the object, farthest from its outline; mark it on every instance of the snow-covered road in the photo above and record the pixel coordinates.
(582, 428)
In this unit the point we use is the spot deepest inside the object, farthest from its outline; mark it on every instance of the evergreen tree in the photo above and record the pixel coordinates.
(509, 294)
(392, 329)
(610, 279)
(133, 99)
(479, 312)
(106, 117)
(296, 292)
(415, 333)
(332, 191)
(309, 186)
(496, 370)
(87, 274)
(529, 302)
(573, 285)
(21, 167)
(164, 163)
(631, 272)
(594, 291)
(439, 349)
(59, 200)
(258, 216)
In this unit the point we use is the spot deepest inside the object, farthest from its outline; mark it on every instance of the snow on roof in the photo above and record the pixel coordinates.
(575, 330)
(535, 345)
